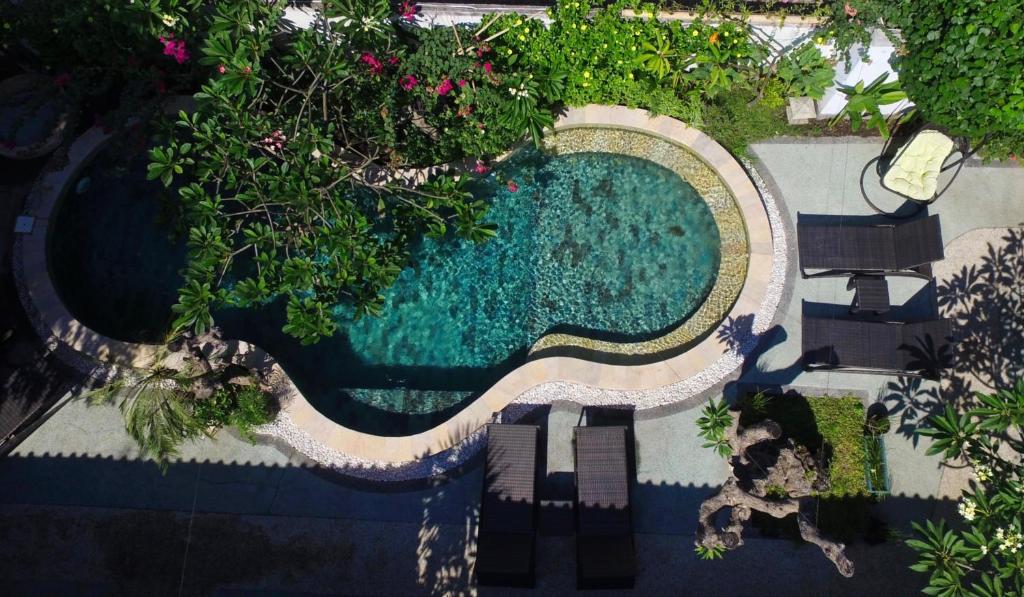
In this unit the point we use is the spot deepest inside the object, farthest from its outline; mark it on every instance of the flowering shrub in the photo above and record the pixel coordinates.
(985, 556)
(111, 58)
(292, 166)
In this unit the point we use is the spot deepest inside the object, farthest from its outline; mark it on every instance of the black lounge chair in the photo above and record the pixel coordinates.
(921, 349)
(605, 551)
(843, 249)
(506, 542)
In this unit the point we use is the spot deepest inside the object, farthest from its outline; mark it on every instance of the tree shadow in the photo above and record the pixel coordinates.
(986, 301)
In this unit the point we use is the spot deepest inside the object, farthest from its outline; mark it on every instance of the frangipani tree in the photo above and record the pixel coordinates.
(984, 556)
(297, 166)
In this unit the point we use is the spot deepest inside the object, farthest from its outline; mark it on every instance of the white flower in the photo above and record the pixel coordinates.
(967, 509)
(1009, 542)
(983, 472)
(169, 20)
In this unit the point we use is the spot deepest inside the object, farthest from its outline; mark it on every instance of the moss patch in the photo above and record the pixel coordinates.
(832, 424)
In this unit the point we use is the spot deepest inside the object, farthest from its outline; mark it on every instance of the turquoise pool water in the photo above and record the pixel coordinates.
(594, 244)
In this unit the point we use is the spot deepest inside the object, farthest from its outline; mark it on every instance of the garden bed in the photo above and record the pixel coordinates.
(832, 428)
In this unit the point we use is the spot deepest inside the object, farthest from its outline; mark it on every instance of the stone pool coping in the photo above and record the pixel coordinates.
(387, 458)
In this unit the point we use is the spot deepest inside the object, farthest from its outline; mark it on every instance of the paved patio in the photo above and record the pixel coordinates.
(79, 511)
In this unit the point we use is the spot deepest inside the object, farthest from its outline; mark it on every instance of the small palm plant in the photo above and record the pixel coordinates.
(157, 410)
(713, 425)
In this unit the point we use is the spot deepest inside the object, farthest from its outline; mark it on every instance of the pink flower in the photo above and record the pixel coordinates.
(174, 48)
(481, 168)
(274, 142)
(247, 70)
(375, 65)
(462, 82)
(487, 67)
(444, 87)
(408, 11)
(408, 82)
(221, 69)
(394, 60)
(512, 186)
(849, 10)
(62, 80)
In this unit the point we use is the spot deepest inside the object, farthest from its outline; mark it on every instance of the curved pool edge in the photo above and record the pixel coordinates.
(540, 381)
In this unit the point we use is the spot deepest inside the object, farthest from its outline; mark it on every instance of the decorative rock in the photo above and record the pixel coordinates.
(801, 110)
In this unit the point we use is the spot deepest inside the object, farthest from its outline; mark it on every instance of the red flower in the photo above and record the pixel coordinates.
(375, 65)
(408, 11)
(481, 168)
(408, 82)
(512, 186)
(849, 10)
(221, 69)
(462, 82)
(394, 60)
(487, 67)
(444, 87)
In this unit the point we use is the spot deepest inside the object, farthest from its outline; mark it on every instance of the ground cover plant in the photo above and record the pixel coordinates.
(834, 425)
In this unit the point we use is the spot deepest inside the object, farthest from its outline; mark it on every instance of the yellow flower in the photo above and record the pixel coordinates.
(604, 46)
(695, 34)
(526, 31)
(630, 75)
(820, 41)
(726, 34)
(633, 48)
(169, 20)
(517, 23)
(574, 25)
(583, 27)
(509, 51)
(585, 84)
(522, 38)
(586, 74)
(619, 62)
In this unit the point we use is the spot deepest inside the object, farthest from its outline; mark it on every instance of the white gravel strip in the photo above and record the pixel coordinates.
(690, 389)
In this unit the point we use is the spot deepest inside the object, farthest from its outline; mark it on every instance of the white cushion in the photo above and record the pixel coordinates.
(915, 173)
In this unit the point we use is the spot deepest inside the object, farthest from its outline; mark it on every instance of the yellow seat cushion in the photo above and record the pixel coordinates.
(915, 172)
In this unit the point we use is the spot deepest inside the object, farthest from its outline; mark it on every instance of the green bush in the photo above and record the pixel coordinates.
(243, 407)
(805, 72)
(962, 64)
(740, 118)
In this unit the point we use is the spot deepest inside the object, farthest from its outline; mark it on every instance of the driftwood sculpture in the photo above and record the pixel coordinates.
(771, 476)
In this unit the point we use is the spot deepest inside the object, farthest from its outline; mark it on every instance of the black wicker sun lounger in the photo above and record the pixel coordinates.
(915, 349)
(605, 552)
(842, 249)
(508, 510)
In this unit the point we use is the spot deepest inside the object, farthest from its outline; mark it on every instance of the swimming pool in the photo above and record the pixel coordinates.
(593, 244)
